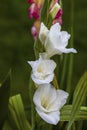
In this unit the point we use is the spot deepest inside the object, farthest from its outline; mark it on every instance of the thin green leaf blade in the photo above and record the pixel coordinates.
(4, 99)
(78, 98)
(18, 113)
(66, 113)
(45, 11)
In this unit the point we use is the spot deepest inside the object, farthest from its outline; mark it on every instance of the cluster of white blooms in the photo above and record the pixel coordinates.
(47, 99)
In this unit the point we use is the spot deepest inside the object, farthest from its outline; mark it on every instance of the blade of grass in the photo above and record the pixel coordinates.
(44, 11)
(78, 98)
(16, 109)
(31, 90)
(4, 98)
(66, 113)
(70, 67)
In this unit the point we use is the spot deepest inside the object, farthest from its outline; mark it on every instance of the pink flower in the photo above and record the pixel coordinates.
(35, 28)
(58, 18)
(34, 32)
(30, 1)
(59, 14)
(34, 11)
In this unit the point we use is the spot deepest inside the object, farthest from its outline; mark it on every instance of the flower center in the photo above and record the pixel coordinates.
(44, 103)
(39, 70)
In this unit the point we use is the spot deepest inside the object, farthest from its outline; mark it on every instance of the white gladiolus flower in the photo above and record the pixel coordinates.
(48, 102)
(54, 40)
(42, 70)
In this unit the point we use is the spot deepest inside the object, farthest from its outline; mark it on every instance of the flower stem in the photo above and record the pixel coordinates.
(70, 70)
(55, 83)
(63, 72)
(32, 105)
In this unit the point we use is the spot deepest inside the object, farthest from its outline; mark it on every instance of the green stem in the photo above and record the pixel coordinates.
(55, 82)
(70, 68)
(73, 126)
(63, 72)
(32, 105)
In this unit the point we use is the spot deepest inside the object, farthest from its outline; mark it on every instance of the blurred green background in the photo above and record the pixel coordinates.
(16, 42)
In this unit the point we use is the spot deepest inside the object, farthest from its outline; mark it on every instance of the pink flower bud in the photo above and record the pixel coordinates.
(34, 32)
(59, 14)
(34, 11)
(30, 1)
(59, 20)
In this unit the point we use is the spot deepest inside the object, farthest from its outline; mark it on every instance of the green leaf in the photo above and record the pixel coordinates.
(38, 48)
(17, 114)
(45, 11)
(13, 121)
(65, 114)
(71, 55)
(79, 96)
(52, 14)
(4, 99)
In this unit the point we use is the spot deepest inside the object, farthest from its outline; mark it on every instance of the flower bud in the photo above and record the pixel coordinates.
(33, 11)
(54, 10)
(30, 1)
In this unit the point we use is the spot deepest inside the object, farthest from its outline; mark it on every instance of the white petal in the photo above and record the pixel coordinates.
(44, 97)
(51, 51)
(49, 66)
(60, 100)
(43, 33)
(57, 41)
(41, 95)
(68, 50)
(50, 117)
(55, 28)
(53, 36)
(64, 37)
(31, 63)
(45, 80)
(51, 99)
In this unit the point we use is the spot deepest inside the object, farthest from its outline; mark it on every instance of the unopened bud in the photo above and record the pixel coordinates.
(55, 10)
